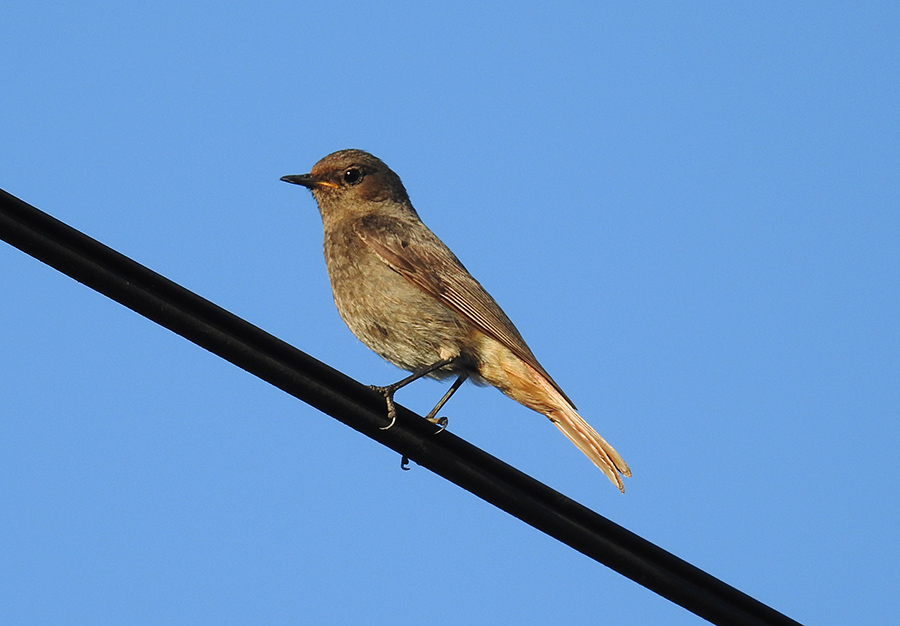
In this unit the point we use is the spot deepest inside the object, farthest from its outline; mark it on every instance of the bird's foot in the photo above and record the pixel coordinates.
(388, 393)
(440, 421)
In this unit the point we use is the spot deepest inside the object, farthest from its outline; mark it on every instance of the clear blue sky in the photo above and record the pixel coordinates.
(690, 210)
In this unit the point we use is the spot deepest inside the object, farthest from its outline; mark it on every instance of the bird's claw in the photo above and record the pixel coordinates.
(388, 394)
(392, 414)
(440, 421)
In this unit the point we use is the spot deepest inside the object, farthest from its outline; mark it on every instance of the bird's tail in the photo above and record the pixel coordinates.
(537, 391)
(547, 398)
(591, 443)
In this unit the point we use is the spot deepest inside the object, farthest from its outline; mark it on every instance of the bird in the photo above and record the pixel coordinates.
(408, 298)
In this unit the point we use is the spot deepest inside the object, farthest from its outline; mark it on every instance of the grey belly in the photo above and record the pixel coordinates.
(393, 317)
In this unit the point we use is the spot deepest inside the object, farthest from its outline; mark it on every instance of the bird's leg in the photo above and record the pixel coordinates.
(442, 421)
(389, 390)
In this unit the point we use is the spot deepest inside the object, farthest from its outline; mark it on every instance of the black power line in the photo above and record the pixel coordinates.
(211, 327)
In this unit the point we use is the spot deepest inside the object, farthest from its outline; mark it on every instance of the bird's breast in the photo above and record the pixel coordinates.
(387, 312)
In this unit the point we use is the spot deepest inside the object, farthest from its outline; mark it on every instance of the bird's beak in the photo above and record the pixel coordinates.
(307, 181)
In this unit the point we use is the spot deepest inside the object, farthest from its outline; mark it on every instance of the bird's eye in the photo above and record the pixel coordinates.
(353, 175)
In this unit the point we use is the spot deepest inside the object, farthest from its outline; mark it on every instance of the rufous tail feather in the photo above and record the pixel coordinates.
(566, 418)
(592, 444)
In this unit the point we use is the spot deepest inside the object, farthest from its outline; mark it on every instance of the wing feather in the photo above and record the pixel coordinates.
(424, 260)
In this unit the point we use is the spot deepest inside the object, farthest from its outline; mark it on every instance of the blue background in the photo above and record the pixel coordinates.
(690, 210)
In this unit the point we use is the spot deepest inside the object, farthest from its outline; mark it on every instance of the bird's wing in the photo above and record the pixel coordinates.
(424, 260)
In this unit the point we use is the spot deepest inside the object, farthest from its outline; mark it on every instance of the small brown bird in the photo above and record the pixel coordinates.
(406, 296)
